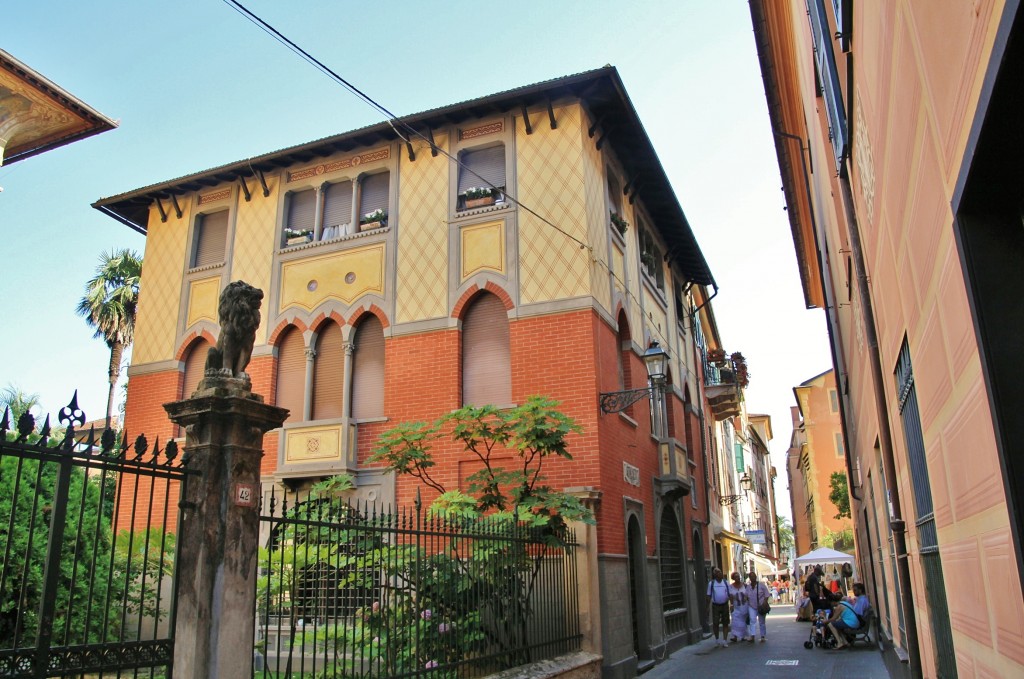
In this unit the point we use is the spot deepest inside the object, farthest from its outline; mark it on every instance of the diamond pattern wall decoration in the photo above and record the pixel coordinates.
(160, 289)
(597, 222)
(256, 228)
(550, 179)
(422, 280)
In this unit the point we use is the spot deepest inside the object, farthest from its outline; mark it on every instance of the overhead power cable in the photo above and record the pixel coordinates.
(395, 122)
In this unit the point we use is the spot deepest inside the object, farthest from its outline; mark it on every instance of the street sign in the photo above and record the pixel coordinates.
(755, 537)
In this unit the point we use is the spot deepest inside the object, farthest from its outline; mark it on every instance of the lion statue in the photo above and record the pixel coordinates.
(239, 312)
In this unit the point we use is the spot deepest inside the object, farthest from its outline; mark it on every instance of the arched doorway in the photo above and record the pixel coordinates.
(637, 590)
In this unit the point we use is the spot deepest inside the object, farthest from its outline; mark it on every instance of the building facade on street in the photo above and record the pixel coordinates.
(818, 452)
(523, 243)
(897, 129)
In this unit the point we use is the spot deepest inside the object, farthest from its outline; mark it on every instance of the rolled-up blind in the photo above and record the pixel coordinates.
(337, 204)
(291, 375)
(368, 370)
(195, 364)
(486, 357)
(211, 239)
(374, 193)
(301, 210)
(488, 163)
(329, 374)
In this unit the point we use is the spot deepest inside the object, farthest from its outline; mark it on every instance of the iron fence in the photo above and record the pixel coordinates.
(87, 570)
(360, 591)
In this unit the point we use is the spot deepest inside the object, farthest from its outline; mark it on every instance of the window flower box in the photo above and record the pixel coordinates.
(619, 222)
(373, 220)
(480, 197)
(295, 237)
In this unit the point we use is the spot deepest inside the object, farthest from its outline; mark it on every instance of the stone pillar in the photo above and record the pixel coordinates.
(217, 546)
(588, 572)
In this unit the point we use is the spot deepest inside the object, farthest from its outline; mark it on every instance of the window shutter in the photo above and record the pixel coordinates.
(673, 592)
(211, 239)
(291, 375)
(614, 193)
(195, 363)
(338, 204)
(374, 194)
(368, 370)
(328, 374)
(488, 163)
(486, 357)
(301, 210)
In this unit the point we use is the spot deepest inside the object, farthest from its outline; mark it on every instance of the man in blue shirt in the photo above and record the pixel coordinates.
(718, 602)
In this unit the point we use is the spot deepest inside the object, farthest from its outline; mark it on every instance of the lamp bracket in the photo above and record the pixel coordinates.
(730, 499)
(617, 401)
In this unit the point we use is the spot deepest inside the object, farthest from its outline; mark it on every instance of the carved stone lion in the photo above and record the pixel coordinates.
(239, 312)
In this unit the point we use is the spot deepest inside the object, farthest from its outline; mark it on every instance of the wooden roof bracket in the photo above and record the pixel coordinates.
(593, 128)
(408, 147)
(245, 188)
(526, 118)
(551, 116)
(177, 208)
(263, 183)
(433, 146)
(160, 207)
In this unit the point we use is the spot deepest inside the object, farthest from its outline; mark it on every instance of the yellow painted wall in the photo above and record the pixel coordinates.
(422, 274)
(256, 233)
(597, 218)
(342, 276)
(160, 289)
(550, 179)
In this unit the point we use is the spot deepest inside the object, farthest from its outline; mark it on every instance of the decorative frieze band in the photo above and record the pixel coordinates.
(480, 131)
(335, 165)
(214, 196)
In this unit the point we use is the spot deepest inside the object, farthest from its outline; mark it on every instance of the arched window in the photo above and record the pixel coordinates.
(328, 374)
(368, 369)
(486, 357)
(673, 593)
(195, 362)
(291, 374)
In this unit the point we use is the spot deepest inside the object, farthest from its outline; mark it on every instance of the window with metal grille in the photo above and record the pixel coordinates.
(482, 168)
(210, 241)
(328, 373)
(486, 355)
(368, 369)
(291, 375)
(673, 593)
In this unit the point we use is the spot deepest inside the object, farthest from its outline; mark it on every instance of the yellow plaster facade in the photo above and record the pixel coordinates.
(483, 248)
(344, 277)
(156, 325)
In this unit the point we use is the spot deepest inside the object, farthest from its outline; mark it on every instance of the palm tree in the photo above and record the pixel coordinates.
(111, 297)
(18, 401)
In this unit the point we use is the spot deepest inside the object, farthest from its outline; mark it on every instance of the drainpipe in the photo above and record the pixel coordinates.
(896, 522)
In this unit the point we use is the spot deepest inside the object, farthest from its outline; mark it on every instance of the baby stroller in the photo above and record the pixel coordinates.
(820, 634)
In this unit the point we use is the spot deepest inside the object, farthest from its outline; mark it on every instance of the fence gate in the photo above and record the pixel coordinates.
(87, 542)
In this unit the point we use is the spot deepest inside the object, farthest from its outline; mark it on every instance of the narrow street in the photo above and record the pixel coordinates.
(783, 655)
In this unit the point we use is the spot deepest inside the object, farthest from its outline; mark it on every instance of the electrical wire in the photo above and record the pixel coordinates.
(395, 122)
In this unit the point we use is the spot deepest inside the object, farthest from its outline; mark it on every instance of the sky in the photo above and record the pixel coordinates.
(195, 85)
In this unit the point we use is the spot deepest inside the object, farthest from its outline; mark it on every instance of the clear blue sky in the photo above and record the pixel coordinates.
(195, 85)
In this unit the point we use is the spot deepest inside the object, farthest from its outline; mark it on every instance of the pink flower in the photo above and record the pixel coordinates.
(443, 628)
(427, 614)
(375, 607)
(431, 664)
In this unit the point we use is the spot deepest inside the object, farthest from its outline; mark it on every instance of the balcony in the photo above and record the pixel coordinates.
(722, 390)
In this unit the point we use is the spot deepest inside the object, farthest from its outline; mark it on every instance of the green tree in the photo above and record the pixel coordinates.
(18, 401)
(839, 494)
(108, 306)
(785, 534)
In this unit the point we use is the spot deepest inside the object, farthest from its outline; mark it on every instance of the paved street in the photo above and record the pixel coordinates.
(783, 655)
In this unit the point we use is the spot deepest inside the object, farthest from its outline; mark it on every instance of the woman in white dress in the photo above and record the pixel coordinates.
(740, 612)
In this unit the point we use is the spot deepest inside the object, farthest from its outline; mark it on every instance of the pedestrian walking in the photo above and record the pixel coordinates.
(740, 609)
(718, 604)
(758, 607)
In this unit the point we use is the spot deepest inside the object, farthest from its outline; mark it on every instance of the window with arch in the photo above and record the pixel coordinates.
(195, 362)
(328, 373)
(486, 355)
(291, 375)
(673, 584)
(368, 369)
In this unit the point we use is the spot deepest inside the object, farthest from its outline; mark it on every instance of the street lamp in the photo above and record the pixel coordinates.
(656, 360)
(733, 499)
